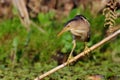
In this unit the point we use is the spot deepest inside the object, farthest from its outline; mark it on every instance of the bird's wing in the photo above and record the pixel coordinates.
(72, 20)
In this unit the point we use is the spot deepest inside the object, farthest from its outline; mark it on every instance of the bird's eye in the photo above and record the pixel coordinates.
(68, 26)
(81, 18)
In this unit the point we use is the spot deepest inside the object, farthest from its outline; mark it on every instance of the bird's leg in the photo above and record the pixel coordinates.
(86, 47)
(70, 55)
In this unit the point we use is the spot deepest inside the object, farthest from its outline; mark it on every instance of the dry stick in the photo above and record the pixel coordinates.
(24, 16)
(79, 55)
(23, 13)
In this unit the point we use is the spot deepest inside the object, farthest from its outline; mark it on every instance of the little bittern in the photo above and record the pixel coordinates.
(80, 29)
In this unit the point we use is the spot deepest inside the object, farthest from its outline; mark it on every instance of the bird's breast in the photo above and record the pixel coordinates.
(78, 32)
(81, 35)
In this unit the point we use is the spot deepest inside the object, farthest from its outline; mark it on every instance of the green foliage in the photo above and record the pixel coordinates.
(45, 19)
(34, 50)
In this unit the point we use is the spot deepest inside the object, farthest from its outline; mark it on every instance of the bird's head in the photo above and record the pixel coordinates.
(74, 24)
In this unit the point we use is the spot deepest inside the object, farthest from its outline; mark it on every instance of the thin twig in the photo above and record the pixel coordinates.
(115, 34)
(39, 28)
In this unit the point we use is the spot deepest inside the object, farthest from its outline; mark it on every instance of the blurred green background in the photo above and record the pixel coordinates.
(25, 55)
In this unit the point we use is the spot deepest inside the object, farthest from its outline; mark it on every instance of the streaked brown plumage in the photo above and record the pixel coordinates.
(80, 29)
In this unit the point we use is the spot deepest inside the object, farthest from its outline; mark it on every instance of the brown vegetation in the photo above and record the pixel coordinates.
(62, 7)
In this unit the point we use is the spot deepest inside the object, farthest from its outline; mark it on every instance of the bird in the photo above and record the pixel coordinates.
(79, 27)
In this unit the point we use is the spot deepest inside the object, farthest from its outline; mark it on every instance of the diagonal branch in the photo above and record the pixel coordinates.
(102, 42)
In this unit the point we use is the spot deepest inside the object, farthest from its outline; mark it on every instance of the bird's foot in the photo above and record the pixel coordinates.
(69, 58)
(86, 47)
(87, 50)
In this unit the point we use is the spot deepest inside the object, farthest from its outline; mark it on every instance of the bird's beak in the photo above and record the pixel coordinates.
(66, 28)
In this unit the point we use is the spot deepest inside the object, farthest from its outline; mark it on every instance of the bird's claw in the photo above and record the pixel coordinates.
(70, 57)
(87, 49)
